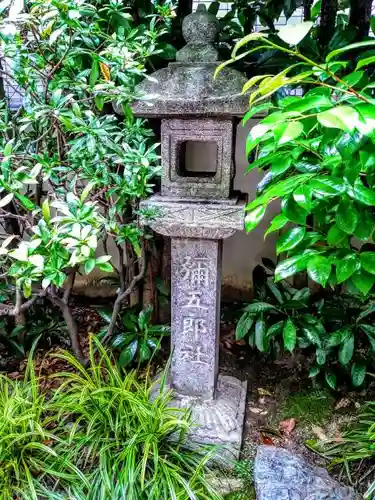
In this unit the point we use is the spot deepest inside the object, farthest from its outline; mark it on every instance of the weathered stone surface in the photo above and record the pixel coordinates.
(175, 182)
(196, 266)
(199, 29)
(189, 219)
(280, 475)
(218, 420)
(188, 87)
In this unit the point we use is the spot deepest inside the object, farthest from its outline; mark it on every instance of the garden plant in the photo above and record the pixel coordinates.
(73, 171)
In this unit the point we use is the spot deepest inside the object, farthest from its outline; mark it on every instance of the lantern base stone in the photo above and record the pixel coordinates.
(218, 420)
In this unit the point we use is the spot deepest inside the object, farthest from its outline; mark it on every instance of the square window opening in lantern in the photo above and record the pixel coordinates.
(197, 159)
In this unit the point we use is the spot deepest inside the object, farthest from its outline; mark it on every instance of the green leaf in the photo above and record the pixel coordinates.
(370, 309)
(346, 267)
(144, 352)
(128, 354)
(244, 325)
(105, 266)
(277, 223)
(364, 281)
(46, 211)
(351, 46)
(365, 62)
(327, 186)
(260, 109)
(346, 351)
(290, 239)
(99, 101)
(257, 307)
(291, 266)
(168, 51)
(331, 380)
(362, 194)
(287, 132)
(308, 103)
(335, 236)
(89, 265)
(94, 73)
(352, 79)
(347, 216)
(335, 339)
(365, 226)
(321, 356)
(280, 189)
(302, 196)
(341, 117)
(260, 333)
(294, 212)
(319, 269)
(25, 202)
(255, 136)
(253, 218)
(275, 329)
(294, 34)
(289, 335)
(312, 335)
(368, 261)
(370, 332)
(315, 370)
(358, 374)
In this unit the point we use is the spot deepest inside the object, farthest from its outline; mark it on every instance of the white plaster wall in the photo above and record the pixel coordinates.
(242, 252)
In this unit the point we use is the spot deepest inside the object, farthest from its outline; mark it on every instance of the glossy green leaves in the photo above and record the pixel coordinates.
(290, 239)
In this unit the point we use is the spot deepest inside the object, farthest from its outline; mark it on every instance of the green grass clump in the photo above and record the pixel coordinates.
(33, 458)
(101, 434)
(312, 407)
(129, 444)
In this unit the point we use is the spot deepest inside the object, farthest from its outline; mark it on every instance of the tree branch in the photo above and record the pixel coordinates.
(122, 296)
(69, 320)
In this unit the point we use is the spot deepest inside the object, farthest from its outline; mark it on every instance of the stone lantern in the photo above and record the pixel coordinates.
(198, 209)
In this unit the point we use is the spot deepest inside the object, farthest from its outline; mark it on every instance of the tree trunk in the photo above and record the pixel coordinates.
(360, 17)
(307, 4)
(327, 22)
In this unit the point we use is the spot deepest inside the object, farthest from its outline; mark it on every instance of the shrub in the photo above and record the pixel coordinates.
(336, 329)
(135, 338)
(317, 151)
(72, 170)
(126, 437)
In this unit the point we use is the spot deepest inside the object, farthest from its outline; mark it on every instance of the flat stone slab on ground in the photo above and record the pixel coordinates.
(280, 475)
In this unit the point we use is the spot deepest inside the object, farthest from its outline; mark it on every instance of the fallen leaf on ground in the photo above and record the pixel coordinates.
(343, 403)
(267, 440)
(258, 411)
(319, 433)
(264, 392)
(288, 425)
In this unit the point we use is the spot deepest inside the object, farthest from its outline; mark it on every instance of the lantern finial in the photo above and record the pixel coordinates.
(200, 30)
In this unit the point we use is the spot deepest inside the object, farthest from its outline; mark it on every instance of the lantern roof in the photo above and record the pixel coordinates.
(187, 86)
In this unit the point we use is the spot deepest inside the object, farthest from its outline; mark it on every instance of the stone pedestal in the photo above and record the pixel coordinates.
(197, 230)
